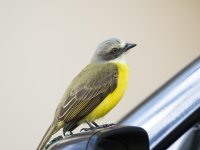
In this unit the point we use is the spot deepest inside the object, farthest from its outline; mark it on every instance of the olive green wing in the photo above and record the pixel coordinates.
(87, 91)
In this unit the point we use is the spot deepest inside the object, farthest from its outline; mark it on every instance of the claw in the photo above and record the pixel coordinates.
(68, 133)
(96, 126)
(85, 129)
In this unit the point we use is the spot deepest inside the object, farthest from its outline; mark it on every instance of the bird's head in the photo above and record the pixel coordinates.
(111, 50)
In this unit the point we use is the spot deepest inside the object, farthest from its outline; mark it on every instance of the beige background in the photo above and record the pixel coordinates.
(44, 44)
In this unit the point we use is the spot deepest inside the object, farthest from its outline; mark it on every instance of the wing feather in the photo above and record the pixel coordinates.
(86, 91)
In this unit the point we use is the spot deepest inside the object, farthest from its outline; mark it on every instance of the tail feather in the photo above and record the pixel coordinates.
(46, 137)
(54, 127)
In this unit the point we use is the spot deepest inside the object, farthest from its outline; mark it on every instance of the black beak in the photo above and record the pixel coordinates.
(128, 46)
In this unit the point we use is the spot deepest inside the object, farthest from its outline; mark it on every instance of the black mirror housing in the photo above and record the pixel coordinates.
(112, 138)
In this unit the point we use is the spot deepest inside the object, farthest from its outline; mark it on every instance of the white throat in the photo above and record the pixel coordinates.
(120, 59)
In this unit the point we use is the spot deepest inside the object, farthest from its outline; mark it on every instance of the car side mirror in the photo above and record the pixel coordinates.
(112, 138)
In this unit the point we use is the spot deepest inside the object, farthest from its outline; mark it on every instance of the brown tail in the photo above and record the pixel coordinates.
(46, 137)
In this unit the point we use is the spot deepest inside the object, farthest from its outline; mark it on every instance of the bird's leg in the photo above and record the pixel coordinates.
(89, 124)
(66, 131)
(95, 124)
(106, 125)
(102, 126)
(91, 127)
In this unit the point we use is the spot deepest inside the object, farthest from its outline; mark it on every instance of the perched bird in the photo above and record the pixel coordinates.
(94, 91)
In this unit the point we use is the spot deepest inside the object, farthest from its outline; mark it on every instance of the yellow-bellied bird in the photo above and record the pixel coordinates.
(95, 90)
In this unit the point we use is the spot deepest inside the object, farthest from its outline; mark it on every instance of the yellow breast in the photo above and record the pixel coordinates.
(112, 99)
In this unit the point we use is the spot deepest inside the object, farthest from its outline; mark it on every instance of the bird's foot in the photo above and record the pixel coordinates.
(53, 141)
(106, 125)
(92, 126)
(85, 129)
(67, 133)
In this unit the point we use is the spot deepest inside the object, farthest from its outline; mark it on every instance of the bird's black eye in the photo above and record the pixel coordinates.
(114, 50)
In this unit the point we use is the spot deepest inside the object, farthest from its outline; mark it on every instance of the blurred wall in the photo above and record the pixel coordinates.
(44, 44)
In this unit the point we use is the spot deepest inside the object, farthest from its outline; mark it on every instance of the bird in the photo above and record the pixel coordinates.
(95, 91)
